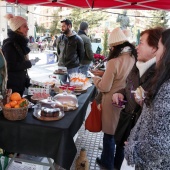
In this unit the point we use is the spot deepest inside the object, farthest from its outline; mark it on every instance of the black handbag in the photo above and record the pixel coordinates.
(27, 80)
(125, 124)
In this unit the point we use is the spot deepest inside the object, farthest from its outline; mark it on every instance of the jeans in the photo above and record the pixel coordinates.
(83, 69)
(107, 156)
(119, 156)
(63, 78)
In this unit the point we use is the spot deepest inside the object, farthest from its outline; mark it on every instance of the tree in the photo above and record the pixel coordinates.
(54, 26)
(93, 18)
(105, 43)
(40, 29)
(160, 18)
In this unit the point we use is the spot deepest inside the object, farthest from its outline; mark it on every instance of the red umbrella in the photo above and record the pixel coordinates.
(102, 4)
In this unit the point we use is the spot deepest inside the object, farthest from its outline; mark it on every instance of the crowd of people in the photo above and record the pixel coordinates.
(146, 144)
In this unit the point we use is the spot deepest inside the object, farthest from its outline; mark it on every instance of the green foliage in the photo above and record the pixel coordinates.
(40, 29)
(54, 26)
(105, 43)
(161, 18)
(93, 18)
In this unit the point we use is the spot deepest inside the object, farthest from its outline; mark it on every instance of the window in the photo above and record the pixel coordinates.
(10, 9)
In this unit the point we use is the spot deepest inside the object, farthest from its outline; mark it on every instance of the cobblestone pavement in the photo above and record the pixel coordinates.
(91, 142)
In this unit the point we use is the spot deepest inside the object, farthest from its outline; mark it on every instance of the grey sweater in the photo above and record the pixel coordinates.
(149, 142)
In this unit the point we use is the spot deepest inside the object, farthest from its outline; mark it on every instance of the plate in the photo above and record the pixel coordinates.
(103, 69)
(66, 108)
(80, 91)
(35, 100)
(39, 117)
(69, 108)
(60, 73)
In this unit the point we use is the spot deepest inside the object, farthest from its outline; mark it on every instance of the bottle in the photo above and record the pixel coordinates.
(82, 162)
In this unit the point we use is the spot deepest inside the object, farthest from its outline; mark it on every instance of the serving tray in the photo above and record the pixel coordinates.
(43, 118)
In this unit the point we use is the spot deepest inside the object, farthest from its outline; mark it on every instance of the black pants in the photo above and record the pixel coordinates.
(119, 156)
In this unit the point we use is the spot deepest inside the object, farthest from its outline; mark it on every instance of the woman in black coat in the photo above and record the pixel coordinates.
(16, 54)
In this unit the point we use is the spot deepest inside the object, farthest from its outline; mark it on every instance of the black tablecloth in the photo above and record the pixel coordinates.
(47, 139)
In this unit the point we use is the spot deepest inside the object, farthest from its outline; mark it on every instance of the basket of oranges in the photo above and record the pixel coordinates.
(16, 108)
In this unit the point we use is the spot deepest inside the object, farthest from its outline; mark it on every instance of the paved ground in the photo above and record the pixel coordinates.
(90, 141)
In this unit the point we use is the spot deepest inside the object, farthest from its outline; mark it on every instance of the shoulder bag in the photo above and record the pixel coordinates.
(93, 122)
(125, 124)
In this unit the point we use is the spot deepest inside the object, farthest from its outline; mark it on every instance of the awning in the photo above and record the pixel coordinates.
(102, 4)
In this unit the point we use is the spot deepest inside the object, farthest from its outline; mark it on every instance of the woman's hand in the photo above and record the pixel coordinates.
(125, 143)
(117, 97)
(139, 95)
(138, 100)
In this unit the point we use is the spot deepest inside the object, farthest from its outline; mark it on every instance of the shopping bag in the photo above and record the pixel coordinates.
(93, 122)
(125, 124)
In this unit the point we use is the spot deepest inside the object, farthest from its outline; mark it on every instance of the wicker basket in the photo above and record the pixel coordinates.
(15, 113)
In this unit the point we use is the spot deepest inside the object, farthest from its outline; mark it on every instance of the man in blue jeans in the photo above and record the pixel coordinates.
(70, 49)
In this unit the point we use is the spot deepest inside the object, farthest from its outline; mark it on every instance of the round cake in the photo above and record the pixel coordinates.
(60, 71)
(50, 112)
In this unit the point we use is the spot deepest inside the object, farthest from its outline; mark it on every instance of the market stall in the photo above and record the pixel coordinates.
(111, 4)
(52, 139)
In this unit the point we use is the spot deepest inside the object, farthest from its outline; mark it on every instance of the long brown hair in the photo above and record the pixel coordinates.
(162, 70)
(117, 50)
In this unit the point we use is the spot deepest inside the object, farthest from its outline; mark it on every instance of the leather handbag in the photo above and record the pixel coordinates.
(125, 124)
(93, 122)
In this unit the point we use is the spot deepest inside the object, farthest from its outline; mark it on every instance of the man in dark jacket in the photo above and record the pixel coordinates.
(72, 50)
(88, 57)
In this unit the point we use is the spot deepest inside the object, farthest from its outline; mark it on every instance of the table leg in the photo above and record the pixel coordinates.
(51, 164)
(30, 161)
(12, 159)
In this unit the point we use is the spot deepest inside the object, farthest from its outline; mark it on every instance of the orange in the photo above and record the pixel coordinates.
(8, 105)
(13, 103)
(17, 106)
(15, 96)
(22, 100)
(23, 103)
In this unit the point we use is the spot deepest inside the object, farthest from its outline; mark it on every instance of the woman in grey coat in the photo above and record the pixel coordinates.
(149, 142)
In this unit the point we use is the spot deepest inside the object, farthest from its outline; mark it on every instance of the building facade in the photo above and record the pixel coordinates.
(16, 10)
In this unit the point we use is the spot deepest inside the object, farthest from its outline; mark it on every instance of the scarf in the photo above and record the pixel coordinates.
(20, 40)
(126, 49)
(142, 67)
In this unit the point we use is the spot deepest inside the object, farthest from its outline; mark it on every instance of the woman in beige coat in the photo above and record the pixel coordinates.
(120, 62)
